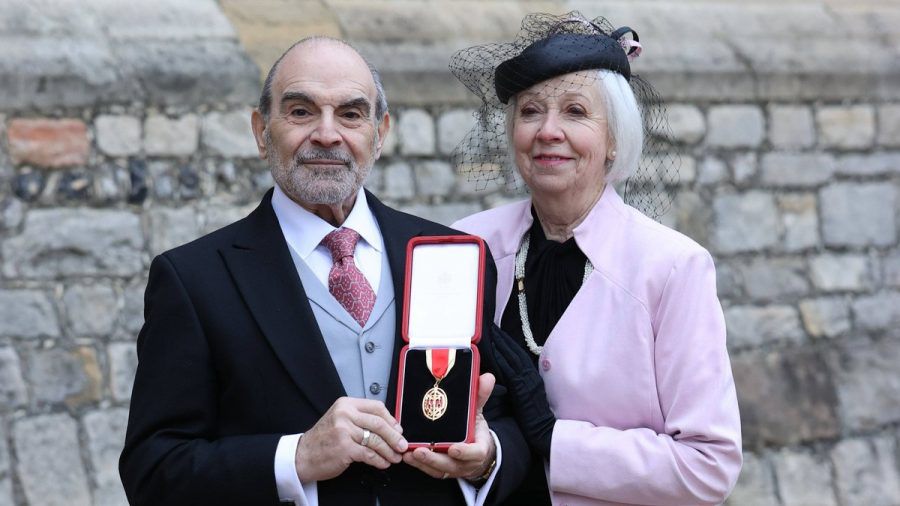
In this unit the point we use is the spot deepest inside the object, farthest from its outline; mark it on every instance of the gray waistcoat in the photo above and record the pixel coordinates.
(362, 356)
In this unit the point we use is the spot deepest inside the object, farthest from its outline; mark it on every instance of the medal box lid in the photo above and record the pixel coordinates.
(444, 291)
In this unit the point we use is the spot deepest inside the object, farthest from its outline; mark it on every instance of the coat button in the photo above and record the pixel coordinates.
(545, 364)
(370, 347)
(375, 388)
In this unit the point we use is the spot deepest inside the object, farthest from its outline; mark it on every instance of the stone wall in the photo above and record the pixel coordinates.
(124, 132)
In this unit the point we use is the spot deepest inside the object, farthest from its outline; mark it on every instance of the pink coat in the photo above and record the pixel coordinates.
(636, 370)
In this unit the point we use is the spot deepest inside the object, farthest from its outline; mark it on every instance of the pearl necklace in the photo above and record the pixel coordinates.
(521, 255)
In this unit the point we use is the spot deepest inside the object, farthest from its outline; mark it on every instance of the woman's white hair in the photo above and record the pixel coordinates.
(624, 125)
(626, 130)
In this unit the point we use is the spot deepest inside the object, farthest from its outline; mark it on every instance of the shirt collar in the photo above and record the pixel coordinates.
(303, 230)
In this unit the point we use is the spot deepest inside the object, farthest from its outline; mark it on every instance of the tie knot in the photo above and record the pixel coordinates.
(341, 243)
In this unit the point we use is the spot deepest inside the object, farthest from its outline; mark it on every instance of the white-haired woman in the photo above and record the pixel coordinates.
(614, 344)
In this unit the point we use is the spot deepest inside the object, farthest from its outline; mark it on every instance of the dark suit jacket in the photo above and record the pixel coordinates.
(231, 359)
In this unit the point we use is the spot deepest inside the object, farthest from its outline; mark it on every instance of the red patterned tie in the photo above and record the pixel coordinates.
(345, 281)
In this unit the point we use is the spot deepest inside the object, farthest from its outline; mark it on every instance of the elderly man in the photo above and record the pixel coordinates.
(269, 348)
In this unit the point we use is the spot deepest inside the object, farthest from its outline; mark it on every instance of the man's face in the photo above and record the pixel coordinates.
(322, 138)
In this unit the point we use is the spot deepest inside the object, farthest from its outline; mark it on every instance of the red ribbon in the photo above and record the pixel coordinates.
(440, 360)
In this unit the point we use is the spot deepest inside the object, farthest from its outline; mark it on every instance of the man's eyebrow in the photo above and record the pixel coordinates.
(358, 103)
(295, 96)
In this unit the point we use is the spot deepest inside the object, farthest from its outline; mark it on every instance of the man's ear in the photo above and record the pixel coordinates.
(383, 129)
(258, 123)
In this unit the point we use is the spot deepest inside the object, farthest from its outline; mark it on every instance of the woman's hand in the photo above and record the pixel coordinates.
(517, 372)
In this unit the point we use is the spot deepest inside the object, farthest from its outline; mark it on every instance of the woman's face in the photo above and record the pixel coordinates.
(560, 137)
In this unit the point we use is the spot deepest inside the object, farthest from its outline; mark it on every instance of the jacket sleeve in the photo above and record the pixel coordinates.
(172, 454)
(696, 458)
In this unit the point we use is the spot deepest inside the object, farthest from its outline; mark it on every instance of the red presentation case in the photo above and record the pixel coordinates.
(442, 309)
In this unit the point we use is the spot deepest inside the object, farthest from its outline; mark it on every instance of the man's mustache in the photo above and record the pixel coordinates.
(323, 154)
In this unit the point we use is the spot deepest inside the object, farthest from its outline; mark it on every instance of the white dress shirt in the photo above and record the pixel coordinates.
(303, 231)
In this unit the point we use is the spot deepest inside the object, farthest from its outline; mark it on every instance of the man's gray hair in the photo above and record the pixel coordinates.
(265, 98)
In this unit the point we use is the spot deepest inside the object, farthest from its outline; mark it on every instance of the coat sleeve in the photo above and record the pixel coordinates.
(172, 454)
(696, 458)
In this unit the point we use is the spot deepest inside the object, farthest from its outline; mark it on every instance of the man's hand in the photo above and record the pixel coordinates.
(462, 460)
(337, 440)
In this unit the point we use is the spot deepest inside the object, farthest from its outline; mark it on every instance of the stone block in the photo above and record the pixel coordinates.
(801, 221)
(878, 312)
(832, 272)
(744, 166)
(175, 72)
(389, 146)
(123, 363)
(28, 185)
(27, 313)
(47, 72)
(866, 471)
(172, 227)
(868, 164)
(13, 391)
(75, 242)
(891, 265)
(825, 316)
(57, 375)
(229, 134)
(6, 491)
(469, 186)
(12, 212)
(164, 19)
(711, 171)
(728, 280)
(49, 462)
(859, 214)
(133, 307)
(48, 142)
(118, 135)
(416, 132)
(791, 127)
(686, 172)
(745, 222)
(692, 216)
(846, 127)
(105, 439)
(111, 183)
(171, 136)
(91, 310)
(868, 383)
(434, 178)
(452, 128)
(398, 181)
(775, 278)
(889, 125)
(797, 169)
(444, 214)
(755, 486)
(217, 216)
(754, 326)
(735, 126)
(687, 123)
(804, 478)
(786, 397)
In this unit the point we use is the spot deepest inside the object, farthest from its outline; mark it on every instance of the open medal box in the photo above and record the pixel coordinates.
(439, 366)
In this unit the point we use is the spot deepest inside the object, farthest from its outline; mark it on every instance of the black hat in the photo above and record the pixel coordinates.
(549, 46)
(559, 54)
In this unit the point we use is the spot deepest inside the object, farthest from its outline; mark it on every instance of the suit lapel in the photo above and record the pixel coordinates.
(262, 268)
(397, 229)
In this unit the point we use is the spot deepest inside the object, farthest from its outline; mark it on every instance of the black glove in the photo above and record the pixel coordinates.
(517, 372)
